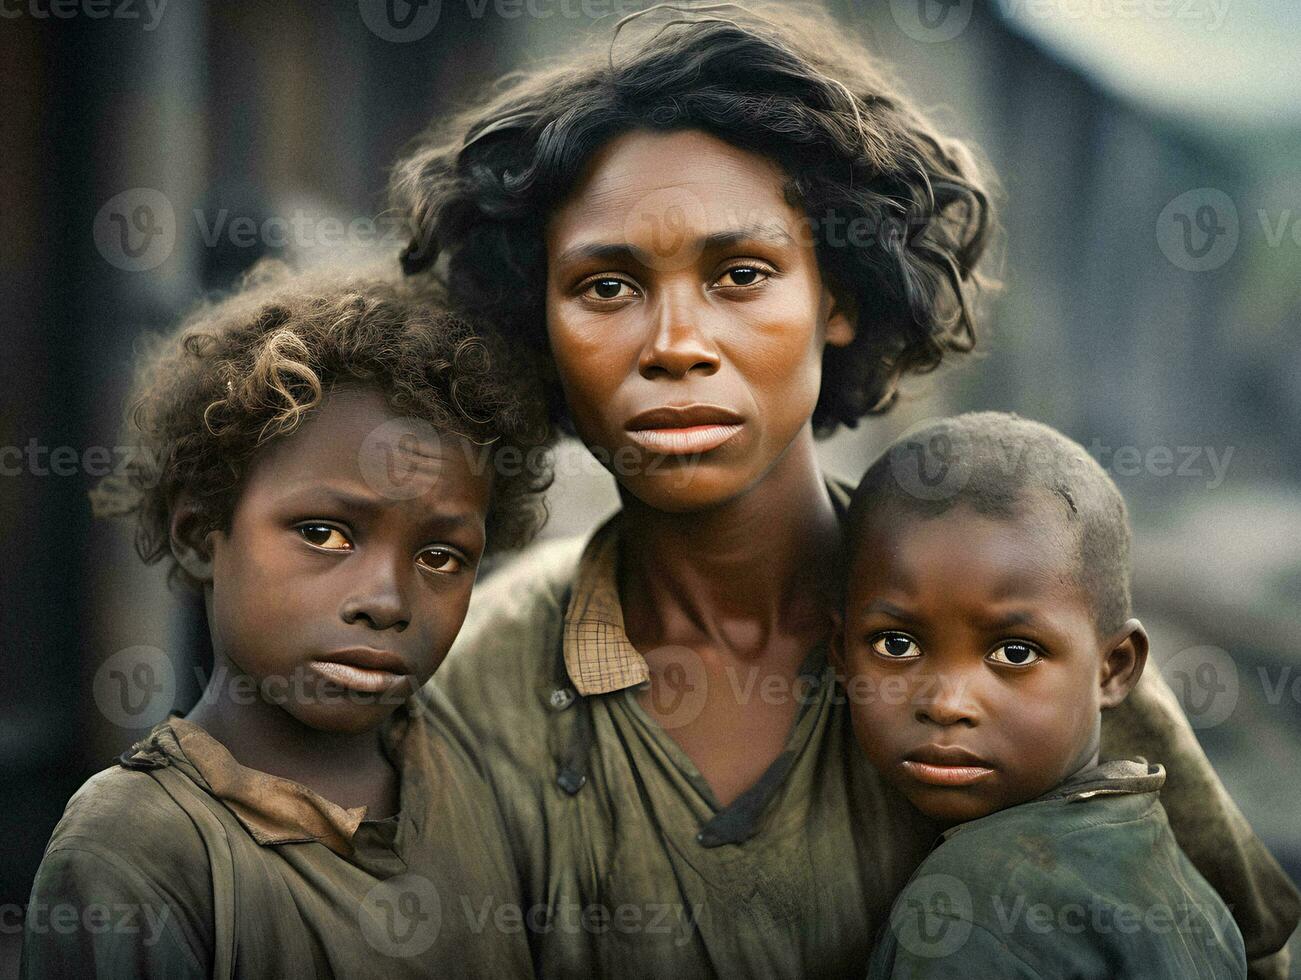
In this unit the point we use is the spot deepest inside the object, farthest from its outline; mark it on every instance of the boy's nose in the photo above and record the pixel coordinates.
(378, 599)
(948, 702)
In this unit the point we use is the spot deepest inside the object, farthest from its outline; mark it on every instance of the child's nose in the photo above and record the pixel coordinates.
(948, 702)
(378, 598)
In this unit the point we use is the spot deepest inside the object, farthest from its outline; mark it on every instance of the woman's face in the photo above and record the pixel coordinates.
(686, 316)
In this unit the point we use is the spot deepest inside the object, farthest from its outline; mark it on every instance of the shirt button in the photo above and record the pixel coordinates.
(562, 698)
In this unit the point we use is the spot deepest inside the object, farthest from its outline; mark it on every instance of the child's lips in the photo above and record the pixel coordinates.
(945, 765)
(362, 669)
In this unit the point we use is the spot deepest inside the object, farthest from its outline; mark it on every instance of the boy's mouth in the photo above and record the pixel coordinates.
(363, 669)
(945, 765)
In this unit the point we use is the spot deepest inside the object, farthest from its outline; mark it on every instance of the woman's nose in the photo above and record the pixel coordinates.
(678, 345)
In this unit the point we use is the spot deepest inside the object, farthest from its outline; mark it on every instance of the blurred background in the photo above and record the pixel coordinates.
(1149, 156)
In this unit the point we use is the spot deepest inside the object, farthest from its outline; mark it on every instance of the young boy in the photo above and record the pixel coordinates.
(987, 625)
(319, 459)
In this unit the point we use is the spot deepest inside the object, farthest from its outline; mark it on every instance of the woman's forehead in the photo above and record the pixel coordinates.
(686, 179)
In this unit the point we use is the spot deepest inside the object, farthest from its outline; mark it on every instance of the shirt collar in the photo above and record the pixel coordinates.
(599, 657)
(1115, 777)
(274, 810)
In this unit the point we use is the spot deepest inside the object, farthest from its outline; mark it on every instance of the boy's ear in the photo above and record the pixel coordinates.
(841, 318)
(190, 546)
(1124, 662)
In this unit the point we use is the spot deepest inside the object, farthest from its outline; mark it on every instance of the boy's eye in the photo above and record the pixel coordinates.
(1015, 654)
(440, 560)
(743, 275)
(896, 646)
(324, 536)
(608, 287)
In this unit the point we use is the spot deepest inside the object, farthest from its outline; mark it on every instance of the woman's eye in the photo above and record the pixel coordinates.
(440, 560)
(1015, 654)
(896, 646)
(743, 275)
(324, 536)
(608, 288)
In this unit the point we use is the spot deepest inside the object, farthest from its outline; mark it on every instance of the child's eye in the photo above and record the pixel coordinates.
(743, 275)
(896, 646)
(1015, 654)
(324, 536)
(608, 288)
(441, 560)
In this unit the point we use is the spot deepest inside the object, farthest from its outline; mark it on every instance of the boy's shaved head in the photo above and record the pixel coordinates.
(1004, 466)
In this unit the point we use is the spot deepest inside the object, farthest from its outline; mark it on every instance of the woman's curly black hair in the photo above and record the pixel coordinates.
(241, 373)
(788, 86)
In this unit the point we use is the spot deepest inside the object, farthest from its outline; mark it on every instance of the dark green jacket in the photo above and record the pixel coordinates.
(1085, 882)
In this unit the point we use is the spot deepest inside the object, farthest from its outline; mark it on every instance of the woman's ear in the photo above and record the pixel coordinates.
(191, 547)
(841, 317)
(1123, 663)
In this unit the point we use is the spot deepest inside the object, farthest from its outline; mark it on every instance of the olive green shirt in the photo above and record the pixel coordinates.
(631, 868)
(179, 862)
(1084, 882)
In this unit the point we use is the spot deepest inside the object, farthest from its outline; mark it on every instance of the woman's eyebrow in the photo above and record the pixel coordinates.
(626, 252)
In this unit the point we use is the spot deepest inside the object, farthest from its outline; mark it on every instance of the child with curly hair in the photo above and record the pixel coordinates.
(319, 458)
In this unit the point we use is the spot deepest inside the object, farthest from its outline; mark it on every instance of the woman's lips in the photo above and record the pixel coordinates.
(684, 441)
(684, 429)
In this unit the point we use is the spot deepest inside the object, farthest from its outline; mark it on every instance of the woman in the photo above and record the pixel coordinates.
(722, 238)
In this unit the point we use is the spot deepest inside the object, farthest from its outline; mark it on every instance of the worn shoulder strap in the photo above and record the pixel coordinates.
(200, 809)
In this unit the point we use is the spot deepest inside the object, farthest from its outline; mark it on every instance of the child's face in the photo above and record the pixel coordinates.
(974, 668)
(349, 561)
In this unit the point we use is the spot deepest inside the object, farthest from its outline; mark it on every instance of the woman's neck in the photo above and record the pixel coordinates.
(739, 575)
(347, 769)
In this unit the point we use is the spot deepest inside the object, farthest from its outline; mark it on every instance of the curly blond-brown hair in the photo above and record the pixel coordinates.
(240, 373)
